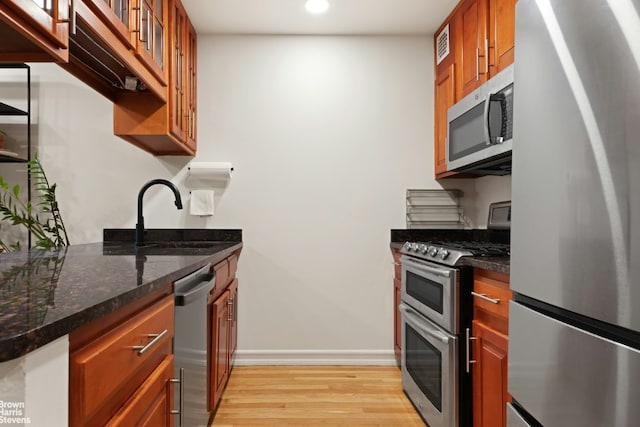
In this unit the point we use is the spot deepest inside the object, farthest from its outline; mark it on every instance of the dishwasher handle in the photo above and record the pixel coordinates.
(194, 286)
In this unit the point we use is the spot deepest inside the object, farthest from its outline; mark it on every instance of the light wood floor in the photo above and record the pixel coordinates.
(308, 396)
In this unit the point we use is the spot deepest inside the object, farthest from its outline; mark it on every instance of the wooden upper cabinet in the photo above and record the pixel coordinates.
(177, 82)
(34, 30)
(502, 18)
(481, 40)
(472, 49)
(151, 43)
(444, 98)
(183, 78)
(141, 25)
(165, 128)
(119, 16)
(191, 97)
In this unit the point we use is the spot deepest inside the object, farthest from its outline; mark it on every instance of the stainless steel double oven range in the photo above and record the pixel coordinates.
(436, 310)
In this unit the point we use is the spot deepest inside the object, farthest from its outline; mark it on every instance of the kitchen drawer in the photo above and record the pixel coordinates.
(151, 405)
(117, 362)
(222, 274)
(491, 286)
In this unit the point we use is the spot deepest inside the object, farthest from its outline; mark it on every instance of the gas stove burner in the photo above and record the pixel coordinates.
(450, 252)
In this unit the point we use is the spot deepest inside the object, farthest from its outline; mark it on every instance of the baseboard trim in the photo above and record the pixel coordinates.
(315, 357)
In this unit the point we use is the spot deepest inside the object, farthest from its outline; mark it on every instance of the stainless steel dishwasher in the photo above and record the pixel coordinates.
(191, 345)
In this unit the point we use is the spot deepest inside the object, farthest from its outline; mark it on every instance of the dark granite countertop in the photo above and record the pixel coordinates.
(497, 264)
(47, 294)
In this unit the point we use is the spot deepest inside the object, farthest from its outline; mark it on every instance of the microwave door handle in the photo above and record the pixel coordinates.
(499, 97)
(503, 125)
(487, 131)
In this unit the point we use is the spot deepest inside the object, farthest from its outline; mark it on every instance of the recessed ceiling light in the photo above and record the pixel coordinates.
(316, 6)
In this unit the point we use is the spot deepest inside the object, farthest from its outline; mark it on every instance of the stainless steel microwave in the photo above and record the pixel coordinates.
(480, 128)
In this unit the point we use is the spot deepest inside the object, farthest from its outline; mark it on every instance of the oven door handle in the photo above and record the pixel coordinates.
(433, 270)
(415, 321)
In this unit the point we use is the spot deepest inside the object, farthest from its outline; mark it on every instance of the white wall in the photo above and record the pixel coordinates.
(326, 133)
(479, 193)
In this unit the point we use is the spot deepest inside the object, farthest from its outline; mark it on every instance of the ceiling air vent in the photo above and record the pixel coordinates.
(442, 44)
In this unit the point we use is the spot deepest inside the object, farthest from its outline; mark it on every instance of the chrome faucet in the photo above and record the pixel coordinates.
(140, 224)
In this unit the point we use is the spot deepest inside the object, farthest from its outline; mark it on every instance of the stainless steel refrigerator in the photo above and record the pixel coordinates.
(574, 334)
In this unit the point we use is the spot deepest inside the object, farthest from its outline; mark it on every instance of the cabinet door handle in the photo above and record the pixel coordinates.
(477, 63)
(180, 381)
(140, 21)
(72, 17)
(485, 56)
(150, 36)
(230, 308)
(142, 349)
(486, 298)
(468, 340)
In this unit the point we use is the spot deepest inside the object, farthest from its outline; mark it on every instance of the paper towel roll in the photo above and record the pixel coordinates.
(210, 170)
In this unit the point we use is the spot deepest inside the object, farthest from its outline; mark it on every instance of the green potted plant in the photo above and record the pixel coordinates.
(43, 220)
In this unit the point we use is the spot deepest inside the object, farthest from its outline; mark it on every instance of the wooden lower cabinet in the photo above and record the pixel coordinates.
(223, 323)
(121, 365)
(233, 321)
(397, 295)
(151, 405)
(397, 321)
(220, 348)
(490, 348)
(489, 377)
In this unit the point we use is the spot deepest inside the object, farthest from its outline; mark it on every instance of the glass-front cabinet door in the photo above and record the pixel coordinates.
(118, 15)
(176, 96)
(50, 18)
(151, 42)
(191, 79)
(141, 25)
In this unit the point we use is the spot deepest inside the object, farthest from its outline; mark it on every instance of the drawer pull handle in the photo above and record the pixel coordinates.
(156, 337)
(180, 381)
(486, 298)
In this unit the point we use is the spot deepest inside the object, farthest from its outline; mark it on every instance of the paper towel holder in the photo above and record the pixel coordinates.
(210, 170)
